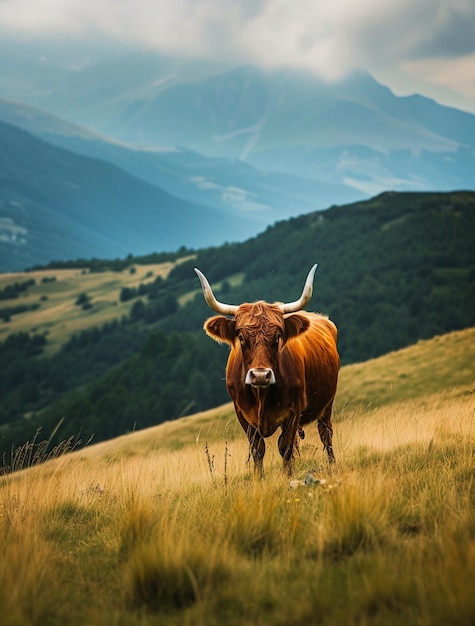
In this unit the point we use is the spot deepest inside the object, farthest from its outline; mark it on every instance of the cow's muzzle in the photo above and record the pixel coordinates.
(260, 377)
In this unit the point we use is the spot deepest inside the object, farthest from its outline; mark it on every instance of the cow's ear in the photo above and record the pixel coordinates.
(295, 324)
(221, 328)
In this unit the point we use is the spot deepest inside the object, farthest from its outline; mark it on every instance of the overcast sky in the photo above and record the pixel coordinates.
(424, 46)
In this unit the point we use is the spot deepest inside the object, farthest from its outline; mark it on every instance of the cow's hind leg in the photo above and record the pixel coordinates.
(325, 430)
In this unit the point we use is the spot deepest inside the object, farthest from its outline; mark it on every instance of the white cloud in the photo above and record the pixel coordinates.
(329, 37)
(238, 198)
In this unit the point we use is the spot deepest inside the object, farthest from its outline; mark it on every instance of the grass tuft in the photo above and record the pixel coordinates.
(171, 573)
(37, 451)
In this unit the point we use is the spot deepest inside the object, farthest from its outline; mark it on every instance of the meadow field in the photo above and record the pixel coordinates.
(56, 292)
(169, 526)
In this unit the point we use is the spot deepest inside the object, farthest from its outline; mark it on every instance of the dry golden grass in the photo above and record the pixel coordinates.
(427, 367)
(169, 525)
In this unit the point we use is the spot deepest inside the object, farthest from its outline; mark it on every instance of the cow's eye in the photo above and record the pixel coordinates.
(241, 339)
(278, 339)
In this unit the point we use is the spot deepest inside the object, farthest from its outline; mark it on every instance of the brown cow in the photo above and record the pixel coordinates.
(282, 370)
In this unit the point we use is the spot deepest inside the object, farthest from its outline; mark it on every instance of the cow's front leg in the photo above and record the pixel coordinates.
(325, 430)
(257, 446)
(287, 443)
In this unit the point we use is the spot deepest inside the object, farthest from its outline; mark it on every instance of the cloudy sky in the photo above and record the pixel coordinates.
(424, 46)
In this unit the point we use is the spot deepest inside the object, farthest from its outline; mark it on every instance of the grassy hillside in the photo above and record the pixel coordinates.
(430, 370)
(57, 291)
(441, 364)
(392, 270)
(169, 527)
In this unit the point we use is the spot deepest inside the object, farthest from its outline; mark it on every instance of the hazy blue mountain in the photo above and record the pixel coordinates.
(258, 198)
(25, 72)
(88, 82)
(55, 204)
(354, 132)
(92, 93)
(65, 70)
(252, 146)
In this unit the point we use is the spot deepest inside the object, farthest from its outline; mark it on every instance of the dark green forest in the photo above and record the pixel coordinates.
(392, 270)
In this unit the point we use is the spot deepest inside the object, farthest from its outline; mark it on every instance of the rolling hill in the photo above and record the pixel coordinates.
(58, 291)
(441, 366)
(58, 205)
(115, 346)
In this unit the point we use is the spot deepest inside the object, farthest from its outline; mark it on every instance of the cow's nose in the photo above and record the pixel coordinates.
(260, 377)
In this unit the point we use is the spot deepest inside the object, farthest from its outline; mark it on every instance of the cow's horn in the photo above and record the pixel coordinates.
(298, 305)
(219, 307)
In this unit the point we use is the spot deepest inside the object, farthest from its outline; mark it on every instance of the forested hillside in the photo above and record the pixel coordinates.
(392, 270)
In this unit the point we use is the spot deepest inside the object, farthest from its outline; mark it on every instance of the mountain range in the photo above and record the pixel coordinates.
(58, 205)
(138, 152)
(354, 131)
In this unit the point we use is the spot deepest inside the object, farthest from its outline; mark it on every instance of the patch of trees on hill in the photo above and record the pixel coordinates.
(13, 291)
(392, 270)
(117, 265)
